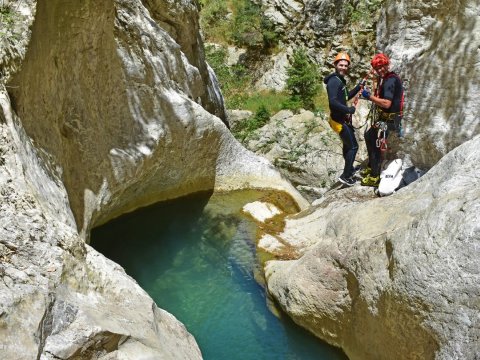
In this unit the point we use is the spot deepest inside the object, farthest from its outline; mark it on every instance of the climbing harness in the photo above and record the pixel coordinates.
(382, 118)
(382, 135)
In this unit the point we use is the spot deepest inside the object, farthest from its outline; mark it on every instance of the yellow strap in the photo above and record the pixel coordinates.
(337, 127)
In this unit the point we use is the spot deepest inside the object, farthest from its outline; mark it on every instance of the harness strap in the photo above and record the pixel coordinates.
(348, 117)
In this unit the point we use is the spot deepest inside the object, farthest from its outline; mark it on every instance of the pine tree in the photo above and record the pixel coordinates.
(303, 80)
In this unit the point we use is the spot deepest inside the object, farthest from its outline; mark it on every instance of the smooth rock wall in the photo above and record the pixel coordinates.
(395, 277)
(59, 298)
(113, 103)
(435, 48)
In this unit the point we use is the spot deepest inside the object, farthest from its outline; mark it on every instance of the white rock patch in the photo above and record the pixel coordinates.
(261, 211)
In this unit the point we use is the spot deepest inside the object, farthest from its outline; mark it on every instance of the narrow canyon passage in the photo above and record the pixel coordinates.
(196, 257)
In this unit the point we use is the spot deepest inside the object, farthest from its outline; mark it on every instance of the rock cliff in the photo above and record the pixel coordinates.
(106, 107)
(391, 278)
(397, 278)
(435, 48)
(323, 28)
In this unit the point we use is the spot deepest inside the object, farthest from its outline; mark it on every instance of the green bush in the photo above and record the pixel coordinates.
(303, 80)
(244, 130)
(233, 79)
(293, 103)
(246, 27)
(262, 116)
(8, 16)
(362, 11)
(213, 19)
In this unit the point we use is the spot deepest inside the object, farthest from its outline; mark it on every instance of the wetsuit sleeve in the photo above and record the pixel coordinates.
(334, 90)
(389, 88)
(353, 92)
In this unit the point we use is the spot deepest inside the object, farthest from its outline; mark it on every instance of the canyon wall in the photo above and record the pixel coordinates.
(397, 277)
(106, 107)
(435, 48)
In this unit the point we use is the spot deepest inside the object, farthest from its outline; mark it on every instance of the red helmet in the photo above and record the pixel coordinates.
(380, 60)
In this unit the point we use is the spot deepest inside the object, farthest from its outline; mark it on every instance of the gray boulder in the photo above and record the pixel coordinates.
(391, 278)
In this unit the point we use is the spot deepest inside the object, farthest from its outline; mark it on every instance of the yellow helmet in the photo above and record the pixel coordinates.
(341, 56)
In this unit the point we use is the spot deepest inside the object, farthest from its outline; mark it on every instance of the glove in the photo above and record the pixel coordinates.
(351, 110)
(366, 94)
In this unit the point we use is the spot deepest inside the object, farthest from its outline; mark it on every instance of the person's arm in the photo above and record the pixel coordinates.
(383, 103)
(354, 91)
(334, 88)
(388, 94)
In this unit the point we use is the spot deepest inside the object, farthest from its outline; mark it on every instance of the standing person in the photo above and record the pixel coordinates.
(388, 99)
(340, 114)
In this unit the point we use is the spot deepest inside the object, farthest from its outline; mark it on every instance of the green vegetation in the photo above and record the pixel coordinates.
(236, 81)
(237, 22)
(303, 82)
(245, 129)
(272, 100)
(250, 28)
(241, 23)
(213, 20)
(362, 11)
(7, 19)
(233, 79)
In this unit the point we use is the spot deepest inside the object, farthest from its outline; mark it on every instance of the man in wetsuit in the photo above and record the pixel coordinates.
(340, 114)
(388, 98)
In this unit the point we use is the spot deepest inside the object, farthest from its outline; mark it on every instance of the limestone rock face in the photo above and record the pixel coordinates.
(435, 47)
(391, 278)
(59, 298)
(119, 100)
(325, 27)
(106, 111)
(275, 77)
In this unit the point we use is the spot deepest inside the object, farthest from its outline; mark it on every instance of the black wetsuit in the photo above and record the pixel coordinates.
(391, 89)
(340, 113)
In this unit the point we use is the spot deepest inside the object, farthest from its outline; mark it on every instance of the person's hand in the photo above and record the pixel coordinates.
(362, 82)
(366, 94)
(351, 110)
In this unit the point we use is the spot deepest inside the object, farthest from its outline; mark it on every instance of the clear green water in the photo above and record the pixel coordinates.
(196, 257)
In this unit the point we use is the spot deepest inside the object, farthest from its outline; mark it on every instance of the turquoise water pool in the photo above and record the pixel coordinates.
(196, 257)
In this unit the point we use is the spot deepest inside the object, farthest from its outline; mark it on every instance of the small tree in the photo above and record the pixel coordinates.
(303, 80)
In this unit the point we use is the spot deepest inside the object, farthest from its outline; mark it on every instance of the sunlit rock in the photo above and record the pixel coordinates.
(108, 106)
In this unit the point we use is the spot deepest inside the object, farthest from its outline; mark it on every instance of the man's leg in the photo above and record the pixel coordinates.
(350, 147)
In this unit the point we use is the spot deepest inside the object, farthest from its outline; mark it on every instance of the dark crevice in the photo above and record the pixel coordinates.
(45, 327)
(391, 260)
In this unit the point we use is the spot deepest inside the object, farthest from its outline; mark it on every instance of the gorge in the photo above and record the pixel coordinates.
(110, 106)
